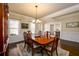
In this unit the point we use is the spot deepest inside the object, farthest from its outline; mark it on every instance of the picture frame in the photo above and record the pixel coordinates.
(72, 25)
(24, 25)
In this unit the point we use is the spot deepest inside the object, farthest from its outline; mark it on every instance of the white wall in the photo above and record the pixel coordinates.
(71, 36)
(19, 37)
(22, 19)
(57, 25)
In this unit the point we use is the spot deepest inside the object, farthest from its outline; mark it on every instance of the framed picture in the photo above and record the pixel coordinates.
(24, 26)
(72, 25)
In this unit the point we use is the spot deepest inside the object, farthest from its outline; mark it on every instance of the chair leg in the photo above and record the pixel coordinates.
(28, 48)
(42, 51)
(47, 52)
(24, 45)
(56, 52)
(51, 53)
(33, 52)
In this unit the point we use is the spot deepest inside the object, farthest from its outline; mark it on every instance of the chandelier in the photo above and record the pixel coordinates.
(36, 20)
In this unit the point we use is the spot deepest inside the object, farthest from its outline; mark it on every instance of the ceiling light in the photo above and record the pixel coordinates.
(36, 20)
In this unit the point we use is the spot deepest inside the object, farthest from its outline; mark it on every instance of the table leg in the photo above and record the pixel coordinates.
(42, 51)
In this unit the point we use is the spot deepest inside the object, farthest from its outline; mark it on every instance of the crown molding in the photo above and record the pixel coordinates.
(65, 11)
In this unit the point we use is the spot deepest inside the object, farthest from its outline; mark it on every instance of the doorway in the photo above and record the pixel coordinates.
(52, 29)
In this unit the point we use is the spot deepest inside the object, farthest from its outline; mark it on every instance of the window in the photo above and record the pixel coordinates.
(14, 27)
(32, 28)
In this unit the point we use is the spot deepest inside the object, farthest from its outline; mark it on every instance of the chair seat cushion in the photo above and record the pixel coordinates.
(48, 48)
(36, 46)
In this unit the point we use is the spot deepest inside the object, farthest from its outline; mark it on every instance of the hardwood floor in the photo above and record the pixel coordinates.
(72, 47)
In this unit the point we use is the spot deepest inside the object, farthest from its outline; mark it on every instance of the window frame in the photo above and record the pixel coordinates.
(19, 27)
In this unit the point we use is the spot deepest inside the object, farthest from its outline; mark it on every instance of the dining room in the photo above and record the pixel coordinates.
(42, 29)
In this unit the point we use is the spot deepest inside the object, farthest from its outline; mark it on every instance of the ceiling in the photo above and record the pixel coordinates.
(44, 9)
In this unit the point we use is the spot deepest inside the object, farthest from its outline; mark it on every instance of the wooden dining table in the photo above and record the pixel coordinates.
(43, 42)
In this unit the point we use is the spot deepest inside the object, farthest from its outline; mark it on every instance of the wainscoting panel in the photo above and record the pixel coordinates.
(16, 38)
(71, 36)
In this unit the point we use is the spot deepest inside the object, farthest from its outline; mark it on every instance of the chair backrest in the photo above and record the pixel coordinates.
(29, 34)
(40, 33)
(55, 44)
(46, 34)
(37, 36)
(29, 39)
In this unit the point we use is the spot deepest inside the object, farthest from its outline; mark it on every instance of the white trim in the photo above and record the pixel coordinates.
(62, 12)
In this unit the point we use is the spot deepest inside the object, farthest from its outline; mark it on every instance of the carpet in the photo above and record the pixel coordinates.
(23, 52)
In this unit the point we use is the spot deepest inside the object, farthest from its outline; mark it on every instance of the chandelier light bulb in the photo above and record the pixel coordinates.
(33, 21)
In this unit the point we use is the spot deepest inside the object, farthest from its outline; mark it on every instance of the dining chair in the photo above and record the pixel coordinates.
(34, 47)
(52, 47)
(47, 34)
(40, 33)
(26, 43)
(31, 44)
